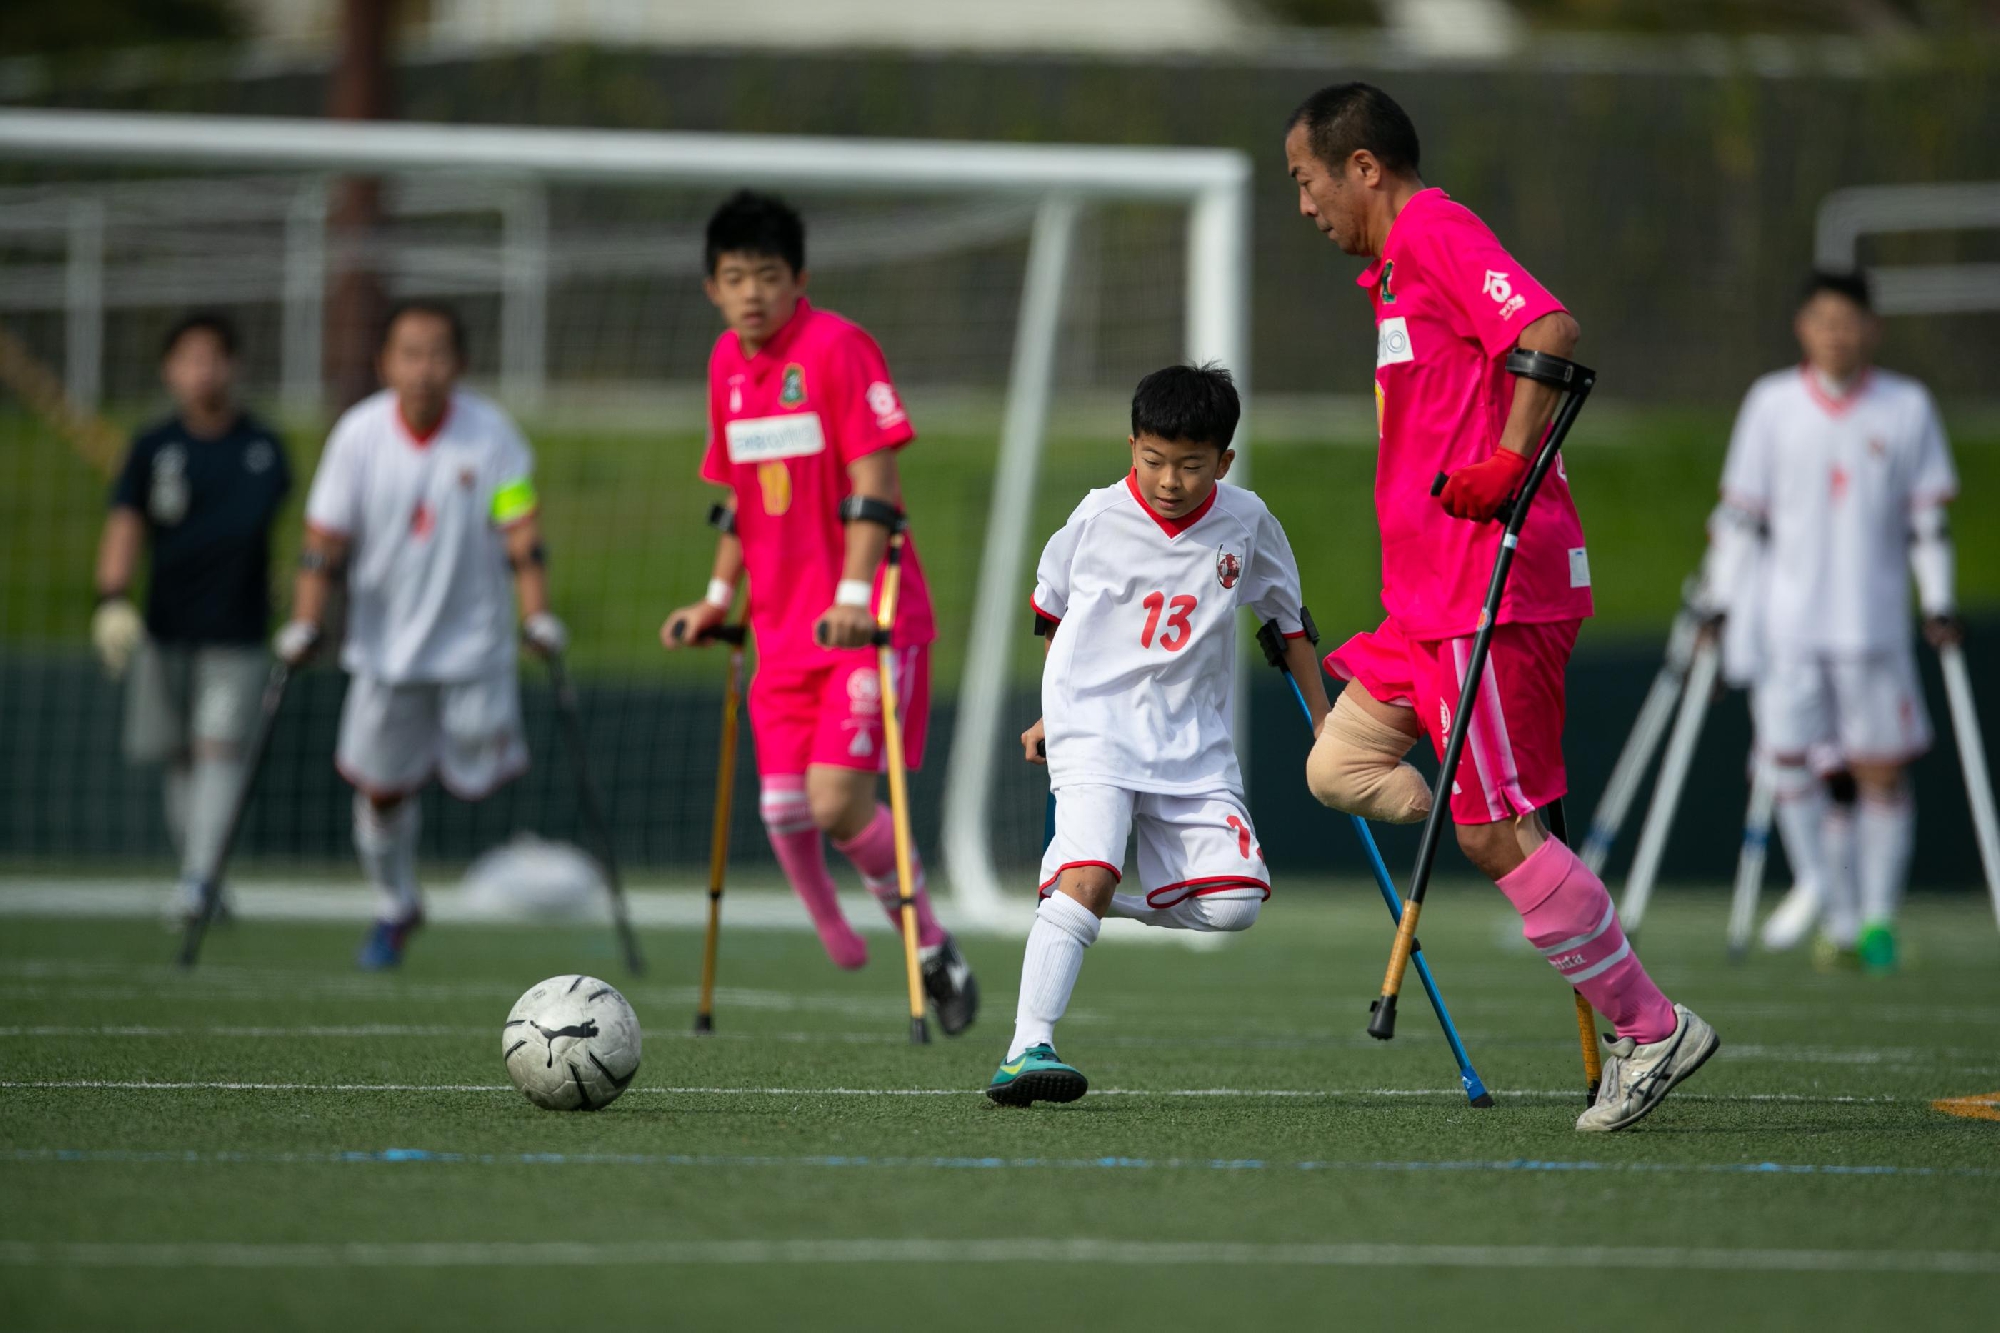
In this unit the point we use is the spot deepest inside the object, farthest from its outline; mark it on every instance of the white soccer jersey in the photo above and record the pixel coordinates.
(1136, 688)
(1836, 480)
(430, 595)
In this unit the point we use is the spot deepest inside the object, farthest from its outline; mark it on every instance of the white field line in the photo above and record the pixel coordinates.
(1147, 1254)
(1303, 1094)
(1891, 1059)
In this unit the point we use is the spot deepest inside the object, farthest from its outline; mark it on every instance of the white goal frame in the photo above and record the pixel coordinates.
(1211, 184)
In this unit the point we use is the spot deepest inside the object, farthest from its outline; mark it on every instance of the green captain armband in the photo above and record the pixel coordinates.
(514, 501)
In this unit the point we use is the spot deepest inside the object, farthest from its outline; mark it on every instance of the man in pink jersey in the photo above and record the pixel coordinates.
(1450, 304)
(804, 426)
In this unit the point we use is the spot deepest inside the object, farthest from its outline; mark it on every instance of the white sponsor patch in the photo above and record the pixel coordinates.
(766, 439)
(1392, 342)
(1579, 567)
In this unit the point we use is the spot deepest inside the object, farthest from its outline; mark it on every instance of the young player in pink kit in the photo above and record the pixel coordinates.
(804, 427)
(1450, 304)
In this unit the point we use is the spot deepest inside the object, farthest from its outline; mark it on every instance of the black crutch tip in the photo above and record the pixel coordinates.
(1382, 1026)
(1483, 1101)
(704, 1024)
(920, 1032)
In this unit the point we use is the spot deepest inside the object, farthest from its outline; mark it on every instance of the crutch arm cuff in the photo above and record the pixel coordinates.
(1556, 371)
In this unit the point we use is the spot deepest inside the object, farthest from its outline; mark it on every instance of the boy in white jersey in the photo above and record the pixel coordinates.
(1139, 594)
(1836, 483)
(425, 494)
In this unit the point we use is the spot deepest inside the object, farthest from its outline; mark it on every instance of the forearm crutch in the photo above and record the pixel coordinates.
(899, 783)
(1575, 383)
(1648, 729)
(1667, 790)
(1586, 1017)
(1750, 860)
(1972, 758)
(211, 882)
(1272, 641)
(571, 718)
(718, 837)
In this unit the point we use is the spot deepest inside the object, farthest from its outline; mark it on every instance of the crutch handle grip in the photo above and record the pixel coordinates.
(730, 634)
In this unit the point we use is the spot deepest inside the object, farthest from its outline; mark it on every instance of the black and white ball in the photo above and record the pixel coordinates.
(571, 1044)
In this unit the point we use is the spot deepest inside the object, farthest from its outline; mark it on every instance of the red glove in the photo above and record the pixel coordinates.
(1477, 492)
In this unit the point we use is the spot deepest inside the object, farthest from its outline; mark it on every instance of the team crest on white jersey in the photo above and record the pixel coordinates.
(1228, 568)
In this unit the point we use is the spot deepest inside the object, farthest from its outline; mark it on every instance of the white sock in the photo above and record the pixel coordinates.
(1884, 832)
(174, 797)
(1063, 929)
(211, 792)
(1843, 888)
(387, 843)
(1801, 818)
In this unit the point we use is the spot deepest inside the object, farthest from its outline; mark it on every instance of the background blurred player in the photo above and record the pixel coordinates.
(198, 492)
(1837, 481)
(1145, 581)
(1450, 303)
(426, 496)
(803, 418)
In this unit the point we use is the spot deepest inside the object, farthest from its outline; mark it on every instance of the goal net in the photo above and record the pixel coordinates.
(1018, 293)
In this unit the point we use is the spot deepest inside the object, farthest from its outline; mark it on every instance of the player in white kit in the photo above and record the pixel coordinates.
(425, 495)
(1836, 485)
(1139, 594)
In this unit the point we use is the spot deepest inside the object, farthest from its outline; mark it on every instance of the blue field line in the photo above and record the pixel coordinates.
(129, 1156)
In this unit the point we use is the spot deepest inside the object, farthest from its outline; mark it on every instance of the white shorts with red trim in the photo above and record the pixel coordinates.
(466, 733)
(1866, 708)
(1189, 846)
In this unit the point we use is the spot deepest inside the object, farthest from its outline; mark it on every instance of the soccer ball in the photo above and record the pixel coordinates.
(571, 1044)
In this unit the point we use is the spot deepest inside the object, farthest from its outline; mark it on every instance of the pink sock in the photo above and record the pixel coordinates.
(873, 851)
(1567, 914)
(788, 823)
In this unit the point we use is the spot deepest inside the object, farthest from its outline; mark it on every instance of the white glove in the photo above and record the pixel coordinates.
(544, 633)
(116, 631)
(295, 642)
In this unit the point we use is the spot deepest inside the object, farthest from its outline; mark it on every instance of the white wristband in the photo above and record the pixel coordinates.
(720, 594)
(854, 592)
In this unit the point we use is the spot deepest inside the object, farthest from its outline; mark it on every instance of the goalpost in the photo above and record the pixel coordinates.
(272, 173)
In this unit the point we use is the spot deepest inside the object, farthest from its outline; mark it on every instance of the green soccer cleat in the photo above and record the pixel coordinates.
(1035, 1075)
(1877, 948)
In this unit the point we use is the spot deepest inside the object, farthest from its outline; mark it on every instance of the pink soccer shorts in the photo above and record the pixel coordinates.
(1513, 761)
(831, 711)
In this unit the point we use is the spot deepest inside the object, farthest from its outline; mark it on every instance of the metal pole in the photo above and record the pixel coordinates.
(524, 296)
(968, 833)
(83, 306)
(303, 348)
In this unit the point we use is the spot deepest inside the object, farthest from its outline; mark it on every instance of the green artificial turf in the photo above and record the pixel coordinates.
(1242, 1140)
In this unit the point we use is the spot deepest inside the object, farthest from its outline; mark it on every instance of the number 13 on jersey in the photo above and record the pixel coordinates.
(1179, 630)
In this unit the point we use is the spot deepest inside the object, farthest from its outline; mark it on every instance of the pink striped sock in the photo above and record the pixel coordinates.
(789, 824)
(1567, 914)
(873, 851)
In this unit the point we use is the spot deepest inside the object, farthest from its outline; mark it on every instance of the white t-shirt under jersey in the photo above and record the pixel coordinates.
(1136, 688)
(1836, 480)
(430, 594)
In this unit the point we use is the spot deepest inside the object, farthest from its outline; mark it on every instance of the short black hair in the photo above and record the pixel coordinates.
(1196, 403)
(424, 305)
(1344, 117)
(215, 324)
(749, 223)
(1850, 283)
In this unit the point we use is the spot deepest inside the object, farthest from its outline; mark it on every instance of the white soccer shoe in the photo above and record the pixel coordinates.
(1788, 927)
(1638, 1078)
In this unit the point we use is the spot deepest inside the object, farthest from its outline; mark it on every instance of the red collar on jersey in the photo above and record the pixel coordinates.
(1173, 527)
(775, 346)
(422, 439)
(1828, 404)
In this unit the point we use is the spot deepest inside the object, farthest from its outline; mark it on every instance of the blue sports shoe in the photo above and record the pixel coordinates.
(1036, 1075)
(382, 949)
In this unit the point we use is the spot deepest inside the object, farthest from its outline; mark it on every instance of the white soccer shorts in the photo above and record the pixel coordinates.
(1870, 707)
(1188, 845)
(177, 695)
(466, 733)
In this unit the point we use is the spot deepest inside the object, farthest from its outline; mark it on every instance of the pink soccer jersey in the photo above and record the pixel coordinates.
(1449, 304)
(783, 426)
